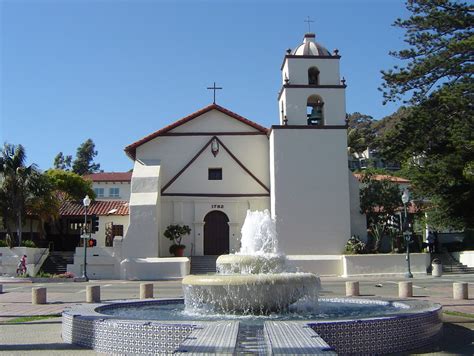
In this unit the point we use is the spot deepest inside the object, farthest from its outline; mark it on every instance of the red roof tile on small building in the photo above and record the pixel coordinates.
(98, 207)
(131, 149)
(110, 177)
(393, 179)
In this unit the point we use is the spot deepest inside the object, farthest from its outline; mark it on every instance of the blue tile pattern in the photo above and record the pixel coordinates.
(415, 326)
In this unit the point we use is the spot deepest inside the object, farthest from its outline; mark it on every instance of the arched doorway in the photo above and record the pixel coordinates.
(216, 233)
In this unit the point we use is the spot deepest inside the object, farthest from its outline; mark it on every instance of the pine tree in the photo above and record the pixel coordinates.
(84, 162)
(62, 162)
(441, 40)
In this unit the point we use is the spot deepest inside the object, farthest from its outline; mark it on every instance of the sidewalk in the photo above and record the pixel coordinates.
(43, 337)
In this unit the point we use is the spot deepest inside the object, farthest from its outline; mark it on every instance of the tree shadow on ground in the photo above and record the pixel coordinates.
(453, 339)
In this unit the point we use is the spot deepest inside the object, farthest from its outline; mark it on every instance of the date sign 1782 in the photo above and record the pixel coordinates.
(217, 206)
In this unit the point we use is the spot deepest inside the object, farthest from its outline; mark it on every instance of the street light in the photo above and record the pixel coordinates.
(86, 201)
(406, 232)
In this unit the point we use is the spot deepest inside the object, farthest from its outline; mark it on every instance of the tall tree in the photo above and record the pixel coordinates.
(360, 133)
(62, 162)
(436, 138)
(84, 162)
(379, 201)
(440, 38)
(436, 142)
(69, 185)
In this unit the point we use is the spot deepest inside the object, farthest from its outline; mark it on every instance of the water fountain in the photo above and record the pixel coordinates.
(254, 289)
(256, 280)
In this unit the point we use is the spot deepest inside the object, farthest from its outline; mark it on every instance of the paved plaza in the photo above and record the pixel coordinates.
(44, 336)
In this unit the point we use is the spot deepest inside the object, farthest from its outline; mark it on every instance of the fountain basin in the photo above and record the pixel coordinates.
(248, 294)
(250, 264)
(413, 324)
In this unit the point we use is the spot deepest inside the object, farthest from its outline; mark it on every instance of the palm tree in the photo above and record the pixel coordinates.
(44, 202)
(17, 182)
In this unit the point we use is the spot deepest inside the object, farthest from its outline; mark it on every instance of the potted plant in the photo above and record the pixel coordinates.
(175, 233)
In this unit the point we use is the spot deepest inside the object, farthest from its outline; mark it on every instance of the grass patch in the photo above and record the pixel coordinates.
(455, 313)
(25, 319)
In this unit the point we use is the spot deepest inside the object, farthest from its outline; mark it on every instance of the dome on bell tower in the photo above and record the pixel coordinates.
(310, 47)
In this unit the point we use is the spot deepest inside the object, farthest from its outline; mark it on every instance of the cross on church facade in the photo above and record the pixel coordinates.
(308, 20)
(214, 88)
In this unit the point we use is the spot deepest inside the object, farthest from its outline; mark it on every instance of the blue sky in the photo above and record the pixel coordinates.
(116, 71)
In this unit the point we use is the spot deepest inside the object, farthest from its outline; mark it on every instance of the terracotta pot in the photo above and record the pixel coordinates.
(179, 251)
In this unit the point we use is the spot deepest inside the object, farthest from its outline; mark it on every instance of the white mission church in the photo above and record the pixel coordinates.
(207, 169)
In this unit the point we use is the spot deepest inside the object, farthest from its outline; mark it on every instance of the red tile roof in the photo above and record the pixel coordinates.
(98, 207)
(130, 149)
(384, 177)
(110, 177)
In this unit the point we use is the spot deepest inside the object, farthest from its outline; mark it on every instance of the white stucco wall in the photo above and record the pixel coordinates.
(465, 257)
(141, 239)
(310, 190)
(235, 180)
(191, 211)
(214, 121)
(10, 257)
(116, 220)
(175, 152)
(124, 189)
(295, 102)
(384, 264)
(296, 70)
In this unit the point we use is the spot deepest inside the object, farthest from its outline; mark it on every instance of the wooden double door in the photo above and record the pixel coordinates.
(216, 233)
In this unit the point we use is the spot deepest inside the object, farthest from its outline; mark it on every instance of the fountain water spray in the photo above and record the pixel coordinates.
(255, 280)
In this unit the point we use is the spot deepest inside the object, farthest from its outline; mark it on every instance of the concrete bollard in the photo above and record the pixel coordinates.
(460, 291)
(405, 289)
(93, 294)
(146, 290)
(352, 289)
(38, 296)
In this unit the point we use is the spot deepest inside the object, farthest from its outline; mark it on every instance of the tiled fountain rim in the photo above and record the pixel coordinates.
(415, 325)
(407, 308)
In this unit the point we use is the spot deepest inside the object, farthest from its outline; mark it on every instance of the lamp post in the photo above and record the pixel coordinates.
(86, 201)
(406, 232)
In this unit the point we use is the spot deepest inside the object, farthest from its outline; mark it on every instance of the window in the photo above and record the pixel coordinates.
(215, 173)
(99, 192)
(117, 230)
(114, 192)
(313, 76)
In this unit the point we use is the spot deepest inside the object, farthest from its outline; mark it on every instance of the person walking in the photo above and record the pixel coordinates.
(431, 240)
(21, 265)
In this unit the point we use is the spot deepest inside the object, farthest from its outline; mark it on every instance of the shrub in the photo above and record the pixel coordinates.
(3, 243)
(28, 243)
(354, 246)
(43, 274)
(175, 233)
(65, 275)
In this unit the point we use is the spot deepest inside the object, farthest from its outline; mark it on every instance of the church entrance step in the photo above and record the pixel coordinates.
(203, 264)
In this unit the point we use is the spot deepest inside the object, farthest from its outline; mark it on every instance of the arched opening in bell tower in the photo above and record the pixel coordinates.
(313, 76)
(314, 110)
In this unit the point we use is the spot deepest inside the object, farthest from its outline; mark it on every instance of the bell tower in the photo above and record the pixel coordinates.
(312, 92)
(309, 196)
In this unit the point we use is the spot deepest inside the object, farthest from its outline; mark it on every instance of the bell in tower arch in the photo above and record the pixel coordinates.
(315, 110)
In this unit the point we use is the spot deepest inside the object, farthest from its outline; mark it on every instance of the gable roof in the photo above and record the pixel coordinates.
(97, 207)
(131, 149)
(110, 177)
